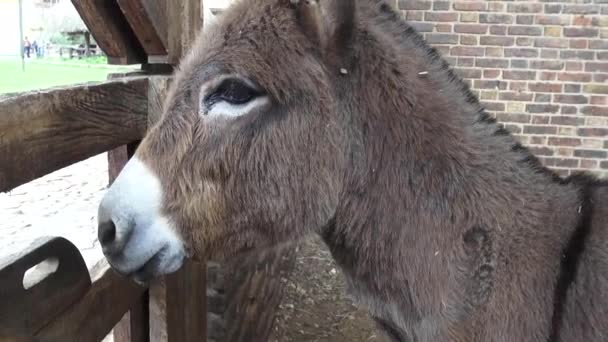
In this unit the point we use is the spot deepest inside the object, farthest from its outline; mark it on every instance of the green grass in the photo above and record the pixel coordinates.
(40, 74)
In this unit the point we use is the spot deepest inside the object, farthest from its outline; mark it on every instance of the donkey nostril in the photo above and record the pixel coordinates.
(106, 232)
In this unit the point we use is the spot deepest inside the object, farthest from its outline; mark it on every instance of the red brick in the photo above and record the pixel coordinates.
(595, 100)
(466, 61)
(548, 53)
(524, 41)
(495, 6)
(581, 9)
(470, 28)
(468, 72)
(553, 8)
(441, 16)
(518, 86)
(578, 43)
(470, 6)
(542, 97)
(525, 7)
(511, 117)
(582, 21)
(593, 132)
(600, 78)
(590, 154)
(441, 5)
(572, 88)
(574, 66)
(468, 40)
(414, 16)
(540, 119)
(499, 30)
(441, 38)
(494, 51)
(547, 64)
(534, 129)
(545, 87)
(589, 164)
(518, 75)
(581, 32)
(467, 51)
(577, 54)
(541, 108)
(568, 110)
(596, 66)
(547, 76)
(515, 96)
(552, 20)
(571, 99)
(525, 31)
(566, 162)
(491, 18)
(443, 27)
(551, 42)
(567, 120)
(598, 44)
(524, 19)
(521, 52)
(414, 5)
(555, 141)
(492, 63)
(490, 84)
(595, 110)
(496, 41)
(574, 77)
(491, 73)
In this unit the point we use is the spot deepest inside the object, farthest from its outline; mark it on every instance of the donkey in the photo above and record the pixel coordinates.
(293, 117)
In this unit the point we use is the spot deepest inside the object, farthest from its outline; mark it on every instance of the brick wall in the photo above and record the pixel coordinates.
(540, 67)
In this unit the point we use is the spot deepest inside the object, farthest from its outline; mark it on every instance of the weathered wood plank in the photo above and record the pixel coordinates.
(45, 131)
(51, 287)
(254, 290)
(94, 315)
(134, 326)
(146, 18)
(111, 31)
(178, 309)
(157, 92)
(184, 23)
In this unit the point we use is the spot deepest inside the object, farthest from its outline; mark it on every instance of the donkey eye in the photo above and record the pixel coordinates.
(232, 91)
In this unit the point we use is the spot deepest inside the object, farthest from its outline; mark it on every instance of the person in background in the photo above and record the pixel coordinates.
(27, 46)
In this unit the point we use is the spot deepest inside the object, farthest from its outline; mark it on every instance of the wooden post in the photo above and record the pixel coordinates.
(87, 42)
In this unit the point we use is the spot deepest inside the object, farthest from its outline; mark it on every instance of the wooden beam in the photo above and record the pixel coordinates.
(111, 31)
(184, 23)
(149, 23)
(31, 300)
(44, 131)
(94, 315)
(178, 305)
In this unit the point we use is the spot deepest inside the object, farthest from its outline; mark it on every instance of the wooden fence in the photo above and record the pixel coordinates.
(43, 131)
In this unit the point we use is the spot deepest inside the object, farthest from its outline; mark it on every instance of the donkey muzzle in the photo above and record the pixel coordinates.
(136, 239)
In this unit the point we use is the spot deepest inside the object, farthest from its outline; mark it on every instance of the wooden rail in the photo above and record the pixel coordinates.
(64, 304)
(41, 132)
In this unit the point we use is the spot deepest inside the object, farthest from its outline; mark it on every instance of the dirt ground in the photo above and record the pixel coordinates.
(315, 305)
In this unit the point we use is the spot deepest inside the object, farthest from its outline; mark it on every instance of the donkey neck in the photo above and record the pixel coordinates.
(440, 203)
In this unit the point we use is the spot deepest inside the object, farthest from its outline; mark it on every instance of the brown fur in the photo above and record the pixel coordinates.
(445, 227)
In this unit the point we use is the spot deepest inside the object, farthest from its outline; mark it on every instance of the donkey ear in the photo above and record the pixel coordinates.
(330, 23)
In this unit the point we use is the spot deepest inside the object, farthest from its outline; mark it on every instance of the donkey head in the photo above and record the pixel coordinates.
(252, 147)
